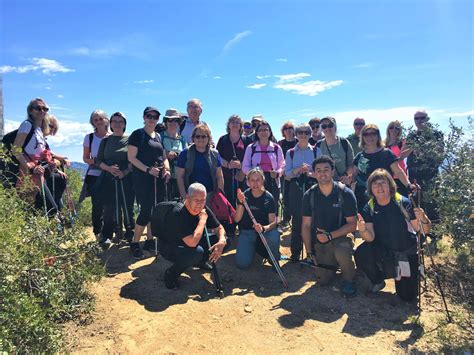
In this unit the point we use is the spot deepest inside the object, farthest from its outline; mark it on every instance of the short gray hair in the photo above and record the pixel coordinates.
(304, 127)
(196, 187)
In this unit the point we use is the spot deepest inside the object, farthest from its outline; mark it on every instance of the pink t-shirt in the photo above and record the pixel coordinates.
(398, 151)
(265, 162)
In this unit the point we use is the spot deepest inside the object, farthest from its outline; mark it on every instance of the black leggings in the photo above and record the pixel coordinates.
(369, 258)
(147, 192)
(56, 183)
(272, 187)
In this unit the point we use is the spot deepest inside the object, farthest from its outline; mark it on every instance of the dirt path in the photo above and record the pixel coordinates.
(136, 313)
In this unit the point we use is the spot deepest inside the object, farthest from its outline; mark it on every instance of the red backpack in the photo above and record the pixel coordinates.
(221, 207)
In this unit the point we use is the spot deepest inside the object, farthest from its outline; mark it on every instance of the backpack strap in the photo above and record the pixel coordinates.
(345, 144)
(183, 124)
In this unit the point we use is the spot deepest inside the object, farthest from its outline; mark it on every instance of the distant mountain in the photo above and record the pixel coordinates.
(80, 167)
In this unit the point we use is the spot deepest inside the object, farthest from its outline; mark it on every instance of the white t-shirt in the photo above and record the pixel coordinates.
(37, 143)
(94, 171)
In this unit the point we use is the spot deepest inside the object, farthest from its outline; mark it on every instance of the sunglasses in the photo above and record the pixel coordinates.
(40, 108)
(306, 133)
(97, 119)
(288, 128)
(118, 121)
(395, 128)
(315, 126)
(263, 130)
(169, 120)
(359, 124)
(329, 125)
(152, 117)
(420, 118)
(199, 136)
(372, 133)
(248, 126)
(52, 126)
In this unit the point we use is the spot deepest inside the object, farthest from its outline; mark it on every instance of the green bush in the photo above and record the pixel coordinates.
(44, 274)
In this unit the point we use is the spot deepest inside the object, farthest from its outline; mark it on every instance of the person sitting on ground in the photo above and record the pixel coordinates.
(298, 171)
(117, 186)
(184, 242)
(354, 138)
(388, 225)
(329, 216)
(262, 205)
(338, 149)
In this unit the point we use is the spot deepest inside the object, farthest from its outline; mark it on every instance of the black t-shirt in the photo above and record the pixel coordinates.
(287, 145)
(150, 150)
(327, 209)
(260, 207)
(366, 163)
(182, 224)
(390, 225)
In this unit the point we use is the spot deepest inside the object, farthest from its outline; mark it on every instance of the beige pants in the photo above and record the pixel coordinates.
(336, 252)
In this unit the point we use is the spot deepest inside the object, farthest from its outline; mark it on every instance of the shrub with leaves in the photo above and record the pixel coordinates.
(44, 273)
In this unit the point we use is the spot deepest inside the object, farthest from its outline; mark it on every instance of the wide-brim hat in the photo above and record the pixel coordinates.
(172, 114)
(150, 109)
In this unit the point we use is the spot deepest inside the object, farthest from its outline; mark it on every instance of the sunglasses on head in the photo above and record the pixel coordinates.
(40, 108)
(359, 123)
(199, 136)
(152, 117)
(329, 125)
(371, 133)
(315, 126)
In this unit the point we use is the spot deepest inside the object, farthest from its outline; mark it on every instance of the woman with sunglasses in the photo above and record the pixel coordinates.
(289, 141)
(298, 171)
(117, 192)
(174, 144)
(268, 156)
(199, 163)
(374, 156)
(100, 122)
(53, 125)
(338, 149)
(397, 145)
(151, 171)
(263, 208)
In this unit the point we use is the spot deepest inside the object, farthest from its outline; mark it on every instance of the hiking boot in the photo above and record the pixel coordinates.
(129, 235)
(295, 258)
(348, 288)
(377, 287)
(170, 282)
(149, 245)
(136, 251)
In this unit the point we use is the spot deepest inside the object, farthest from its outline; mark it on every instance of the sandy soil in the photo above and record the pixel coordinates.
(135, 313)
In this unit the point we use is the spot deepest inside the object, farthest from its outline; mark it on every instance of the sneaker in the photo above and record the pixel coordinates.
(348, 289)
(377, 287)
(170, 282)
(136, 251)
(105, 243)
(149, 245)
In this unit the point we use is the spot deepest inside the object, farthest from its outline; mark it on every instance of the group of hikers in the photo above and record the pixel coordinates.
(328, 189)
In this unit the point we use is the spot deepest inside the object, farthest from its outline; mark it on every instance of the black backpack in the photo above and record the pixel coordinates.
(159, 225)
(10, 167)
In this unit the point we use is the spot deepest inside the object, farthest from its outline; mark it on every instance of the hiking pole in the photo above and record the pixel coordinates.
(124, 200)
(215, 274)
(301, 244)
(267, 247)
(421, 258)
(70, 201)
(44, 196)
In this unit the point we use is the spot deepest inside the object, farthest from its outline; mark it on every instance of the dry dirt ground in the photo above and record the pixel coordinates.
(135, 313)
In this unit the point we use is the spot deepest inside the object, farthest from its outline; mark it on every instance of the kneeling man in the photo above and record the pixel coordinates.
(184, 242)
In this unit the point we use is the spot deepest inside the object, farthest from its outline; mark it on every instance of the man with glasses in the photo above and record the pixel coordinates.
(316, 133)
(354, 138)
(338, 149)
(298, 174)
(423, 164)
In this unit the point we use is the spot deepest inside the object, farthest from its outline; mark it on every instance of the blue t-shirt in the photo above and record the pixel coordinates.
(201, 171)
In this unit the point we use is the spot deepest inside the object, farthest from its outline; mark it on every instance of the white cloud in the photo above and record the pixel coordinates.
(60, 96)
(309, 88)
(256, 86)
(144, 81)
(106, 51)
(460, 114)
(47, 87)
(236, 39)
(291, 77)
(217, 77)
(46, 66)
(263, 76)
(364, 65)
(283, 60)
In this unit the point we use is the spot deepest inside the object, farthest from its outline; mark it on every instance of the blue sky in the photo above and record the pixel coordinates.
(377, 59)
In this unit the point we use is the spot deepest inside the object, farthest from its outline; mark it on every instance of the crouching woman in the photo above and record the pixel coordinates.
(262, 205)
(387, 225)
